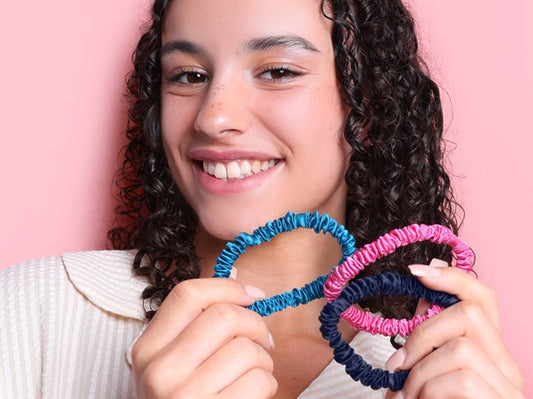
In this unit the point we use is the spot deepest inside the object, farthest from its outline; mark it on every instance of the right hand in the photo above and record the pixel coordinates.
(204, 343)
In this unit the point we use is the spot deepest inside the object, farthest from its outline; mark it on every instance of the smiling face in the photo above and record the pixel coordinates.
(252, 116)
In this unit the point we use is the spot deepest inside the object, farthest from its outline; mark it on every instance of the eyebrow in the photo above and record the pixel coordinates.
(269, 42)
(258, 44)
(183, 46)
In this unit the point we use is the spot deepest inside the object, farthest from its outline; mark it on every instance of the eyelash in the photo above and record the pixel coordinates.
(288, 73)
(201, 78)
(177, 75)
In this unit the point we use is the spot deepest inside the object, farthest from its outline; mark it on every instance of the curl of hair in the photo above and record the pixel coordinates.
(396, 174)
(153, 216)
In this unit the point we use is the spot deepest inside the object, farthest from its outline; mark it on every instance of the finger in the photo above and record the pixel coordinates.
(215, 327)
(238, 357)
(464, 319)
(183, 304)
(255, 384)
(211, 330)
(423, 305)
(455, 355)
(459, 384)
(465, 286)
(175, 366)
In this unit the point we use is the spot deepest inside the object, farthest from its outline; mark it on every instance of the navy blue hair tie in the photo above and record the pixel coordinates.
(385, 283)
(297, 296)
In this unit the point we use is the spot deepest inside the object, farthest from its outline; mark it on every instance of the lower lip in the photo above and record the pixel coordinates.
(216, 186)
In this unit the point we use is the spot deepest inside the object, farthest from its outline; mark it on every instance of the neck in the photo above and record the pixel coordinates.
(290, 260)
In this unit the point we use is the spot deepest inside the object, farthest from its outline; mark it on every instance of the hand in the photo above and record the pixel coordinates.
(204, 343)
(458, 353)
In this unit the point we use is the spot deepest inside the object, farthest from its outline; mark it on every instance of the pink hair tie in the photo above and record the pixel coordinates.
(386, 245)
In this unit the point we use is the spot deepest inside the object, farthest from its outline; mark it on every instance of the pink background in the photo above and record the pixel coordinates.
(62, 73)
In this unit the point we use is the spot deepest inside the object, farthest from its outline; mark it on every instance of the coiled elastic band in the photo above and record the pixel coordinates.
(386, 283)
(385, 245)
(289, 222)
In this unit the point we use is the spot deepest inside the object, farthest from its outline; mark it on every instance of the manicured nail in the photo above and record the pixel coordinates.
(233, 273)
(396, 360)
(271, 341)
(435, 262)
(424, 271)
(254, 292)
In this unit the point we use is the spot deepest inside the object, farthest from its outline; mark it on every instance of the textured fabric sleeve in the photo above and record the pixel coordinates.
(55, 342)
(20, 327)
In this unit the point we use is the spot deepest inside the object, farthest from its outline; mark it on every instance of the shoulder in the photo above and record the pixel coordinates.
(55, 311)
(104, 278)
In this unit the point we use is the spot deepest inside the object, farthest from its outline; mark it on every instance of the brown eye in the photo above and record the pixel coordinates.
(188, 78)
(194, 78)
(279, 74)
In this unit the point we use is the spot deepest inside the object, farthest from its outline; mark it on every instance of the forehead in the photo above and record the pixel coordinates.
(220, 21)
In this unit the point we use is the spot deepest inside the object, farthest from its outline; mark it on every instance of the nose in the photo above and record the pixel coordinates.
(223, 110)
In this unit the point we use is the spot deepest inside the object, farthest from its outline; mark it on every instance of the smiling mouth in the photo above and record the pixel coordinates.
(238, 169)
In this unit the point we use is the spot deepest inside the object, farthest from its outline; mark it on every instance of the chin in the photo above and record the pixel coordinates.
(227, 225)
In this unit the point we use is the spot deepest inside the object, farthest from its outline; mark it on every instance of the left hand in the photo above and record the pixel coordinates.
(458, 353)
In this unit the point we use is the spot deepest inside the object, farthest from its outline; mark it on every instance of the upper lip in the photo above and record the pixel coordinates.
(204, 154)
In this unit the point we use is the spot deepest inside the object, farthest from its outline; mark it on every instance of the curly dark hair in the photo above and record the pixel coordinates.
(396, 174)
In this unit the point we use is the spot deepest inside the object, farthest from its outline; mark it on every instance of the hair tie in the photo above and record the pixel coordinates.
(289, 222)
(385, 245)
(340, 300)
(386, 283)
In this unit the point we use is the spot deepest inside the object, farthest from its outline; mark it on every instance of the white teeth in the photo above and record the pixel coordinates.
(233, 169)
(246, 169)
(256, 166)
(220, 171)
(236, 169)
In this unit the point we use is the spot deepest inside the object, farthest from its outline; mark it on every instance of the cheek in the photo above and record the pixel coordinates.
(173, 135)
(175, 123)
(168, 124)
(323, 120)
(304, 114)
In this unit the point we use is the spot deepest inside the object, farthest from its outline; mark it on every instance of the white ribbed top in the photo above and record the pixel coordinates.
(67, 325)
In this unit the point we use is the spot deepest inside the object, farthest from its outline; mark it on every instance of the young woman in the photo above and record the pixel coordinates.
(240, 112)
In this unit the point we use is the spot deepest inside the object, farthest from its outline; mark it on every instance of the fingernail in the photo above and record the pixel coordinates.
(233, 273)
(435, 262)
(271, 341)
(254, 292)
(396, 360)
(424, 271)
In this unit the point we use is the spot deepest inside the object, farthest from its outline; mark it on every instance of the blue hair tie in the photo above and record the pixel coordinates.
(289, 222)
(385, 283)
